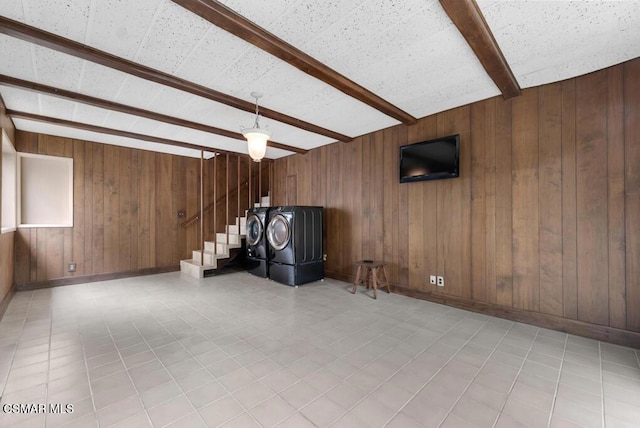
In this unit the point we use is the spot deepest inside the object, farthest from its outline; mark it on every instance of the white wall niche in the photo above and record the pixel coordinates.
(45, 191)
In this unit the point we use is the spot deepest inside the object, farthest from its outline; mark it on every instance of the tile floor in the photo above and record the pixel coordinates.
(239, 351)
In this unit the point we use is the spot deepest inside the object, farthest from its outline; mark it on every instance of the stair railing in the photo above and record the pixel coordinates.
(227, 201)
(202, 207)
(253, 184)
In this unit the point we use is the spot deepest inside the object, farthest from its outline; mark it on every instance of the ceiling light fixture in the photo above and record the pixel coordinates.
(256, 137)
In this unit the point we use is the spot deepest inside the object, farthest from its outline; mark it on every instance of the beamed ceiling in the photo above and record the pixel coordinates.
(176, 76)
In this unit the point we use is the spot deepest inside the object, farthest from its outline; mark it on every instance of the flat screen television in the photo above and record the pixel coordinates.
(430, 160)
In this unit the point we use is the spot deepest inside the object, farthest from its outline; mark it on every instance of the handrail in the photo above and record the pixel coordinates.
(201, 207)
(196, 216)
(257, 177)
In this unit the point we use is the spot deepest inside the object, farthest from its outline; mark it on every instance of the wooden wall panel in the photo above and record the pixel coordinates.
(125, 210)
(481, 129)
(591, 203)
(569, 220)
(12, 242)
(632, 190)
(97, 211)
(615, 203)
(504, 205)
(550, 201)
(111, 209)
(526, 274)
(354, 201)
(390, 207)
(544, 216)
(78, 253)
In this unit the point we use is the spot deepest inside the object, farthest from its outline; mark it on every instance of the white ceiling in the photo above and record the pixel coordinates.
(408, 52)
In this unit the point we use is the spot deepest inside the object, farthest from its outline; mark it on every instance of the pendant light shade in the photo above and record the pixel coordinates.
(257, 142)
(256, 137)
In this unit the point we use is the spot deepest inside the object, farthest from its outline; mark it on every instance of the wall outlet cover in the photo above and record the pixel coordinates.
(441, 281)
(432, 279)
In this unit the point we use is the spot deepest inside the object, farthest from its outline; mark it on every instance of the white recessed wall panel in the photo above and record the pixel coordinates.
(551, 41)
(46, 191)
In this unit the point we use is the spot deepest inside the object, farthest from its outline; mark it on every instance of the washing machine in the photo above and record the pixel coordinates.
(294, 250)
(257, 263)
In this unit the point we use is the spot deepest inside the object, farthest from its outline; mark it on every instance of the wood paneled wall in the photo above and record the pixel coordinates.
(544, 217)
(125, 210)
(6, 239)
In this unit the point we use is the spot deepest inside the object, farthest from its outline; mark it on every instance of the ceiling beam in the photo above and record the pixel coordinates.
(111, 131)
(122, 108)
(52, 41)
(236, 24)
(466, 15)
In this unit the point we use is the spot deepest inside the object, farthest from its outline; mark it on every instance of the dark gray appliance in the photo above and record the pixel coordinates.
(257, 263)
(294, 236)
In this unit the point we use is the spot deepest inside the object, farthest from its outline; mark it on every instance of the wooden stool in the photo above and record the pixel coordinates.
(374, 269)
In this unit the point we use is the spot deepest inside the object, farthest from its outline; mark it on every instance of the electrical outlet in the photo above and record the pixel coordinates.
(432, 279)
(72, 267)
(441, 281)
(324, 257)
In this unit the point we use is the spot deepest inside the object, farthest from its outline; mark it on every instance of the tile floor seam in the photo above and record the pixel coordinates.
(184, 393)
(229, 393)
(277, 393)
(515, 379)
(555, 392)
(128, 375)
(479, 369)
(603, 407)
(389, 334)
(444, 364)
(394, 373)
(46, 387)
(15, 348)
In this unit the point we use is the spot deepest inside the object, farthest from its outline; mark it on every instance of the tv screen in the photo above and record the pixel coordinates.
(430, 160)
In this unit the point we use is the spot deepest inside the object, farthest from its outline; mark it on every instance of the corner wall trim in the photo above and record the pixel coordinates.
(552, 322)
(4, 304)
(36, 285)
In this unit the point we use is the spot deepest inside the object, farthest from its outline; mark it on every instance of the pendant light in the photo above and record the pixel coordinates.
(256, 137)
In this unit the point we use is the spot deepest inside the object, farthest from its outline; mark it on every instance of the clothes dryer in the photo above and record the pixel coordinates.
(257, 263)
(294, 251)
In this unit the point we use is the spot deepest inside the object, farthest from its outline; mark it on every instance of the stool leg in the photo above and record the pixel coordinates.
(374, 274)
(355, 284)
(386, 278)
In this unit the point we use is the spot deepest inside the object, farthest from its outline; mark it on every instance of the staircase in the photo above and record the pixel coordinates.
(214, 261)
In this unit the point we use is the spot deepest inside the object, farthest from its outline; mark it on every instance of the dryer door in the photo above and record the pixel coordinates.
(254, 230)
(278, 232)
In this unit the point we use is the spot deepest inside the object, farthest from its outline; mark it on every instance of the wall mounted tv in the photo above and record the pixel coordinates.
(430, 160)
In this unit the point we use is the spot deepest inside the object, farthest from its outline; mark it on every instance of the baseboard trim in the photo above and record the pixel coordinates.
(565, 325)
(6, 300)
(36, 285)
